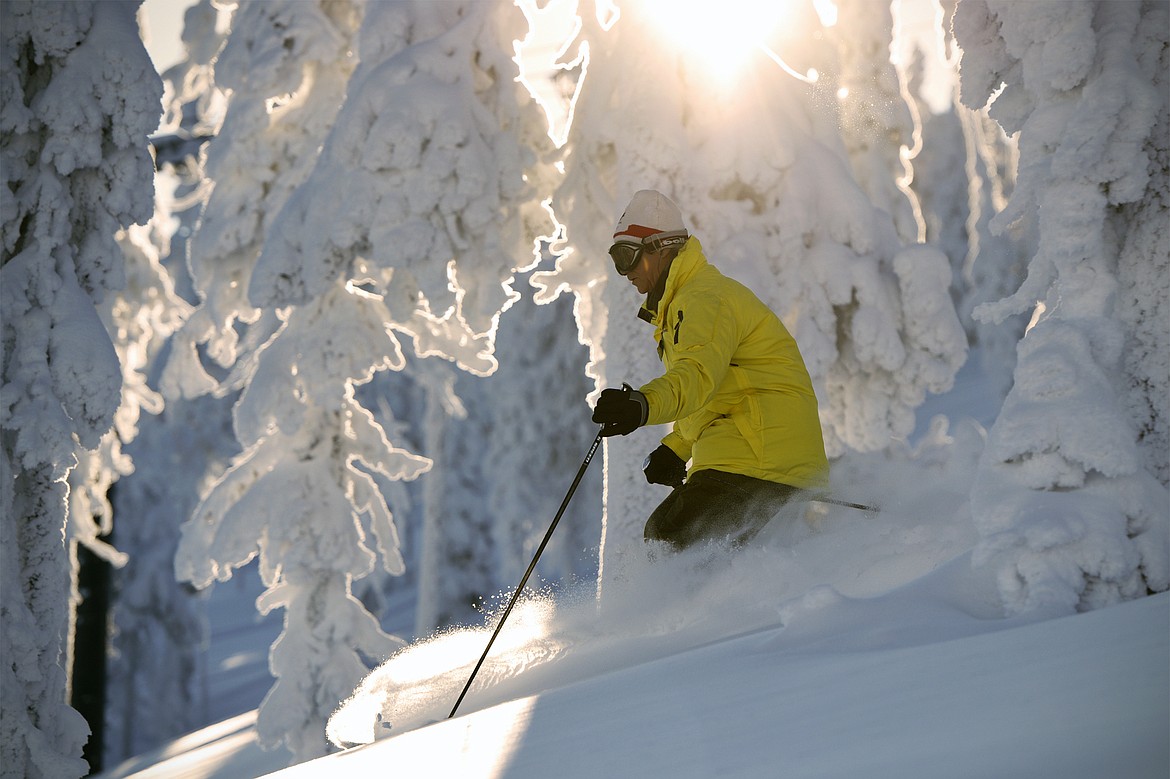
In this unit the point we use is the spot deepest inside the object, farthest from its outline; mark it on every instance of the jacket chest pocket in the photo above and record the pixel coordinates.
(668, 335)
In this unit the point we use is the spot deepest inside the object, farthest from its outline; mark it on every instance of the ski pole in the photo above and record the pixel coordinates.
(845, 503)
(531, 567)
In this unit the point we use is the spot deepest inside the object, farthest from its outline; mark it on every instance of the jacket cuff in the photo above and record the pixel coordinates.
(648, 393)
(643, 405)
(679, 445)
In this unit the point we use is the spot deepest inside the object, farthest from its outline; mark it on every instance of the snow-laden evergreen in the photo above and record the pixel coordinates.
(140, 316)
(154, 684)
(958, 209)
(1069, 499)
(79, 98)
(880, 121)
(157, 675)
(400, 226)
(285, 69)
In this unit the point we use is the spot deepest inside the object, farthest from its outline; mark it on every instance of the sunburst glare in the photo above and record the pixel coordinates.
(724, 35)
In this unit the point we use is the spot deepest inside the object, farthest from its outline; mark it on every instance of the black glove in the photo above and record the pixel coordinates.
(663, 466)
(622, 411)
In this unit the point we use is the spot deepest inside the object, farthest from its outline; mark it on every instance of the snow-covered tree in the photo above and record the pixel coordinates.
(192, 103)
(513, 458)
(1069, 501)
(284, 69)
(155, 685)
(139, 317)
(760, 170)
(880, 121)
(505, 448)
(296, 496)
(157, 627)
(994, 263)
(420, 206)
(79, 97)
(431, 160)
(957, 209)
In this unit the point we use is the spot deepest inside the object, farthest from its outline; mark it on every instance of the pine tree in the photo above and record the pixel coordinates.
(880, 122)
(1083, 83)
(416, 212)
(958, 209)
(79, 98)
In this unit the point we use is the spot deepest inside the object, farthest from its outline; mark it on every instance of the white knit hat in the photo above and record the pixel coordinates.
(651, 213)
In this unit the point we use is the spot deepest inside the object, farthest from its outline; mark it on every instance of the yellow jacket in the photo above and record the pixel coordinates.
(735, 384)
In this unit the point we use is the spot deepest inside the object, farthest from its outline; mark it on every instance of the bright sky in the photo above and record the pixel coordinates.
(918, 19)
(162, 23)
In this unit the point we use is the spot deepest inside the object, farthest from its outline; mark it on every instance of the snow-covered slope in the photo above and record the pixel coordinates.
(923, 681)
(911, 684)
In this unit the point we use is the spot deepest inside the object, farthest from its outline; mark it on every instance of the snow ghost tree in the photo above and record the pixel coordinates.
(79, 97)
(155, 684)
(1072, 499)
(410, 220)
(756, 160)
(284, 68)
(958, 209)
(157, 629)
(879, 121)
(501, 472)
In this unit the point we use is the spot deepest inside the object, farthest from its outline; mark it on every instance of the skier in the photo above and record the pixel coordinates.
(735, 386)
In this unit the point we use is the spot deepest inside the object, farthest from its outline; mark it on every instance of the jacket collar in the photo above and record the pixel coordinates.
(688, 261)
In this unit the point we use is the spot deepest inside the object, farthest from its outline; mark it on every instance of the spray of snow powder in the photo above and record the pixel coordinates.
(659, 604)
(557, 636)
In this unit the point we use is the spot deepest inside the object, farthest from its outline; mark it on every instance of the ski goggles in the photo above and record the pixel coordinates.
(625, 256)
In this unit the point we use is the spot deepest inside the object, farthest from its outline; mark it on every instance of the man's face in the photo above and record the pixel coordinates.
(649, 269)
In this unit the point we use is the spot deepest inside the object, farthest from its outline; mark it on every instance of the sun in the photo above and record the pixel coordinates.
(723, 34)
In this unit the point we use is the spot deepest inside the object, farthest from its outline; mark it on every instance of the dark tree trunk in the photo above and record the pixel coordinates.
(89, 650)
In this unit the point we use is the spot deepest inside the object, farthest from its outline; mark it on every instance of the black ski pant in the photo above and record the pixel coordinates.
(716, 506)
